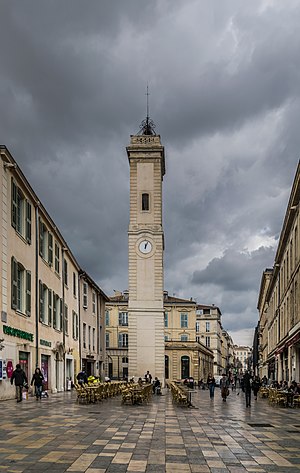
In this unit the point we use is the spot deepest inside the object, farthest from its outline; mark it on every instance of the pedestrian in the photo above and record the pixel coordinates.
(247, 388)
(224, 383)
(148, 377)
(82, 377)
(20, 379)
(156, 386)
(37, 380)
(255, 386)
(211, 383)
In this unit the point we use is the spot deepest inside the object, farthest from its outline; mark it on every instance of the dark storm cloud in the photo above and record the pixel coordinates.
(224, 85)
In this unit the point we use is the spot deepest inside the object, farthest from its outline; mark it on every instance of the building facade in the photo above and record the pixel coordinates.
(278, 301)
(39, 296)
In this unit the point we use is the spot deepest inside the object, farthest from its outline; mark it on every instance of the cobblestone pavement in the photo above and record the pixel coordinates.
(58, 435)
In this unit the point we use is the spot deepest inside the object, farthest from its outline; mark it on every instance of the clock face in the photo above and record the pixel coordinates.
(145, 247)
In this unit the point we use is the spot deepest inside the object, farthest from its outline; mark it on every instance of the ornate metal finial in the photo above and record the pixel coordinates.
(147, 126)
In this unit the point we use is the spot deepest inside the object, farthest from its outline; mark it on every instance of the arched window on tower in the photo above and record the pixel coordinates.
(145, 202)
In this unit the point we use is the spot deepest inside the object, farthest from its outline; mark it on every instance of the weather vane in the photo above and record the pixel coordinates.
(147, 126)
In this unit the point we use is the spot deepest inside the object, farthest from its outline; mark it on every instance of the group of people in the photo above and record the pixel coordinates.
(20, 380)
(247, 383)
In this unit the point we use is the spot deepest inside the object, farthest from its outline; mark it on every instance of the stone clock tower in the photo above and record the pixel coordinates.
(146, 246)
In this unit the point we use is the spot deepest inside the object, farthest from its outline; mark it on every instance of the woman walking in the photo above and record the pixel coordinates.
(211, 383)
(224, 383)
(38, 379)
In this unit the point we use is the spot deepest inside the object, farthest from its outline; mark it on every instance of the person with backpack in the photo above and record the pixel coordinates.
(20, 379)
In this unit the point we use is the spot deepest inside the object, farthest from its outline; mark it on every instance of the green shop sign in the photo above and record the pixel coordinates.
(15, 332)
(45, 343)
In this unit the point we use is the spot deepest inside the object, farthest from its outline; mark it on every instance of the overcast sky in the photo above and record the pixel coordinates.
(224, 84)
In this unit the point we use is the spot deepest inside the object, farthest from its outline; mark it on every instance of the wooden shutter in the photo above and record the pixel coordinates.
(28, 222)
(14, 205)
(50, 249)
(49, 307)
(14, 282)
(28, 293)
(41, 299)
(54, 309)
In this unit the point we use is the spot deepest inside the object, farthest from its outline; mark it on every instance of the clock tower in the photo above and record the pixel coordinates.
(145, 249)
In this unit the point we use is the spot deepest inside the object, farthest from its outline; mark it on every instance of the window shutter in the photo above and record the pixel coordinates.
(49, 307)
(28, 293)
(54, 309)
(50, 248)
(120, 318)
(28, 222)
(120, 340)
(41, 237)
(66, 320)
(14, 204)
(77, 327)
(14, 282)
(61, 314)
(41, 299)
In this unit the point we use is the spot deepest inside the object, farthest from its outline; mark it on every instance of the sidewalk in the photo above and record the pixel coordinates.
(58, 435)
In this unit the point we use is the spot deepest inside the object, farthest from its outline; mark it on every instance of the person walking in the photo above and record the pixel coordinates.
(224, 383)
(148, 377)
(247, 388)
(211, 383)
(255, 386)
(20, 378)
(37, 380)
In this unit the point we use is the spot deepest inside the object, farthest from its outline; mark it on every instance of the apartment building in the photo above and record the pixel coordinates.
(278, 301)
(39, 296)
(242, 359)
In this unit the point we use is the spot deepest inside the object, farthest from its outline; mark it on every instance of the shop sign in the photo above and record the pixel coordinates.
(45, 343)
(15, 332)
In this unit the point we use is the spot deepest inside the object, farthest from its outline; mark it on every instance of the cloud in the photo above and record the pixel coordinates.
(224, 94)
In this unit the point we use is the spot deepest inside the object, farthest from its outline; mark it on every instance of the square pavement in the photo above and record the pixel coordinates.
(59, 435)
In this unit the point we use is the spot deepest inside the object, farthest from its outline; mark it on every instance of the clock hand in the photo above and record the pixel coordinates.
(146, 245)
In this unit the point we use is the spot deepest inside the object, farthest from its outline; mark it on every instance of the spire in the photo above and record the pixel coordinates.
(147, 126)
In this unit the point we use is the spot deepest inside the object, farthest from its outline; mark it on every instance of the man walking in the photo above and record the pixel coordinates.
(247, 388)
(20, 379)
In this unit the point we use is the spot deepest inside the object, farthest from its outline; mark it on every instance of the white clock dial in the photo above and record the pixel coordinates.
(145, 247)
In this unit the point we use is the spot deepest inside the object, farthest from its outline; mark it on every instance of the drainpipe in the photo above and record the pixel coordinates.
(63, 317)
(37, 285)
(79, 321)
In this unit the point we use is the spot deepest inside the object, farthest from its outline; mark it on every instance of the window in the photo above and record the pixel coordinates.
(57, 311)
(20, 288)
(20, 212)
(66, 320)
(56, 258)
(184, 338)
(43, 302)
(107, 318)
(45, 243)
(65, 272)
(89, 335)
(197, 327)
(123, 340)
(207, 341)
(207, 326)
(84, 335)
(145, 202)
(166, 320)
(74, 325)
(49, 307)
(123, 319)
(206, 311)
(124, 359)
(85, 295)
(94, 302)
(198, 339)
(74, 285)
(199, 312)
(107, 340)
(166, 338)
(93, 339)
(184, 320)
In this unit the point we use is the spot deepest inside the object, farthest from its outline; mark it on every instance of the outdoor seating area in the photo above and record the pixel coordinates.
(133, 393)
(179, 394)
(280, 397)
(97, 392)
